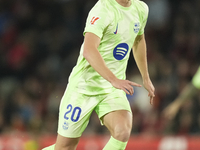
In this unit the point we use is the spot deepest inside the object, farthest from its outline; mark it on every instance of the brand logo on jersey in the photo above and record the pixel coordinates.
(94, 19)
(116, 29)
(120, 51)
(136, 27)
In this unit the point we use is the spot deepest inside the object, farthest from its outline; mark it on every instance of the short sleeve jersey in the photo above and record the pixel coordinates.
(117, 27)
(196, 79)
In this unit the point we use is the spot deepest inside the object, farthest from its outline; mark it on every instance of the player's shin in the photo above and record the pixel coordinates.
(114, 144)
(52, 147)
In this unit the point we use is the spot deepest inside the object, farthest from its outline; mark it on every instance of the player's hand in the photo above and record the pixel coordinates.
(125, 85)
(150, 88)
(171, 110)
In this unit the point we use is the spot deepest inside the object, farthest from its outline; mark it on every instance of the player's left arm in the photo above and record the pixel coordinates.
(140, 55)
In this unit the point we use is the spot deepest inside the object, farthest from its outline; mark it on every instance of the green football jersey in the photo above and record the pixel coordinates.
(117, 27)
(196, 79)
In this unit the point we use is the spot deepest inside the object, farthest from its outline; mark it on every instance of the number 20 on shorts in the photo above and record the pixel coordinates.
(74, 112)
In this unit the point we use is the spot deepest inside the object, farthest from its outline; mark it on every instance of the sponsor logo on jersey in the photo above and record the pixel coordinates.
(94, 19)
(116, 29)
(120, 51)
(136, 27)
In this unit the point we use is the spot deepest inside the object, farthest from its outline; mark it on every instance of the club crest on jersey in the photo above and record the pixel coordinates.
(94, 19)
(136, 27)
(120, 51)
(65, 125)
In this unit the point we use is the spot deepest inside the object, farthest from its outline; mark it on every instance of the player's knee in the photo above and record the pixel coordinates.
(122, 133)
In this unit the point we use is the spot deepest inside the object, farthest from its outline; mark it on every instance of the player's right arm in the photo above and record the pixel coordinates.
(172, 109)
(92, 55)
(191, 89)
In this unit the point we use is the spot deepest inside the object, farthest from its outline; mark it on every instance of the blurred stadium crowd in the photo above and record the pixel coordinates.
(39, 45)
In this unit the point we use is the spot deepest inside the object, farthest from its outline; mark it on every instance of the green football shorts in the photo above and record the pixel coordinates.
(76, 108)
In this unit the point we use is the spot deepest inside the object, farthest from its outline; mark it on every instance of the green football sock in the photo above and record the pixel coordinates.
(114, 144)
(52, 147)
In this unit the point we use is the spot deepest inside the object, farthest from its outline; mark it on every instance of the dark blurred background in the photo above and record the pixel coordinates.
(39, 45)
